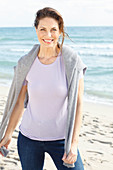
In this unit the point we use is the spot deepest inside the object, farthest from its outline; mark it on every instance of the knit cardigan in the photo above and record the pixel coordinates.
(73, 65)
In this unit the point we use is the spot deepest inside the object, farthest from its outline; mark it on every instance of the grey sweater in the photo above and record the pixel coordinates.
(73, 65)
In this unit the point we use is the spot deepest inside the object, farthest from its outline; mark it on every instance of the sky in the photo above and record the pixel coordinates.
(21, 13)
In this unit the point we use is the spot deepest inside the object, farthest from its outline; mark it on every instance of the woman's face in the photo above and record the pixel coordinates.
(48, 32)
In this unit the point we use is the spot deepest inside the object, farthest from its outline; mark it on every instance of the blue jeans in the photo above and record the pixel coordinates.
(32, 153)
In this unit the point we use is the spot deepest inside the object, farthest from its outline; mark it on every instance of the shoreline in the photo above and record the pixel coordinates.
(95, 140)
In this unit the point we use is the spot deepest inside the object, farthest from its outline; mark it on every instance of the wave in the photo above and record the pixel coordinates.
(101, 73)
(94, 46)
(96, 53)
(95, 99)
(16, 39)
(22, 50)
(6, 76)
(7, 64)
(100, 94)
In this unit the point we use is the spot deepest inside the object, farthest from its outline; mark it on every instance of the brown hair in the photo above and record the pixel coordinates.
(50, 12)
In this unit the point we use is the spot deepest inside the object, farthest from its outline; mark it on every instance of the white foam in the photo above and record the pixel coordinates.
(102, 53)
(93, 46)
(23, 50)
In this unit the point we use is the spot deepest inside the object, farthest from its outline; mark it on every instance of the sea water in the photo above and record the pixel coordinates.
(93, 44)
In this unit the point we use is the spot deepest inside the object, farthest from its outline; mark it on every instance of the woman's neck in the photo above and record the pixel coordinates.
(47, 52)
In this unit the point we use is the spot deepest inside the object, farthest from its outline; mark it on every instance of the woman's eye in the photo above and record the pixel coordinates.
(41, 29)
(54, 29)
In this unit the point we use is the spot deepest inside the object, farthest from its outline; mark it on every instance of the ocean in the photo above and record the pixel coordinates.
(93, 44)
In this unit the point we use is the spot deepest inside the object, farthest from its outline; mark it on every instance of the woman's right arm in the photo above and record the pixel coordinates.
(17, 112)
(14, 118)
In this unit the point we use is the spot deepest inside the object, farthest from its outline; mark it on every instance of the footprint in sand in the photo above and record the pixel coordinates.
(96, 121)
(104, 142)
(90, 141)
(89, 133)
(95, 152)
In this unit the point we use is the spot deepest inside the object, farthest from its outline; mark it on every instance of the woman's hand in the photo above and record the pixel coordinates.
(72, 156)
(5, 142)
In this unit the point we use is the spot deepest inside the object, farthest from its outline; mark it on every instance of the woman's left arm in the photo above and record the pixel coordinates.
(72, 156)
(78, 118)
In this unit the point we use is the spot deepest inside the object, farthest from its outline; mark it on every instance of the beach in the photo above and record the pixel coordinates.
(95, 140)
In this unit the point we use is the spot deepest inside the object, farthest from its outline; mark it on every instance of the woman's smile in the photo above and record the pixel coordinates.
(48, 41)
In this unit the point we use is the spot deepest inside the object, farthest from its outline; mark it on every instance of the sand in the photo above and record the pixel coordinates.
(95, 141)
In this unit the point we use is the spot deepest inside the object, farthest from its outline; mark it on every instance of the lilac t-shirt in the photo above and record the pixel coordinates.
(46, 112)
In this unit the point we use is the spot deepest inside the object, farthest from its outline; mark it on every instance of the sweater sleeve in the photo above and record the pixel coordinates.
(81, 74)
(25, 82)
(82, 67)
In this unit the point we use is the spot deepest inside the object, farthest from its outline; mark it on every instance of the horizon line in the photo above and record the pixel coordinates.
(64, 26)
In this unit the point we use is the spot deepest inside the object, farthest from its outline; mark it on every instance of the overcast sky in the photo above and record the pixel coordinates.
(75, 12)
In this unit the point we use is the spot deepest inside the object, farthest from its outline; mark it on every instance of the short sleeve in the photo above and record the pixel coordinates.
(25, 82)
(81, 65)
(81, 74)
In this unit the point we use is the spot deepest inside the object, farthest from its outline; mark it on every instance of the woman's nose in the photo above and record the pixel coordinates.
(48, 33)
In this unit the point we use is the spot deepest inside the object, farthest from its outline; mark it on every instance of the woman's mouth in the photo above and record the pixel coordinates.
(48, 41)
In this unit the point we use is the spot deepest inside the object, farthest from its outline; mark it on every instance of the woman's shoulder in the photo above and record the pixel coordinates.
(24, 57)
(73, 57)
(69, 53)
(68, 48)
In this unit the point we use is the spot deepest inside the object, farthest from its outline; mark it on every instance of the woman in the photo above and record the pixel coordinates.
(49, 118)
